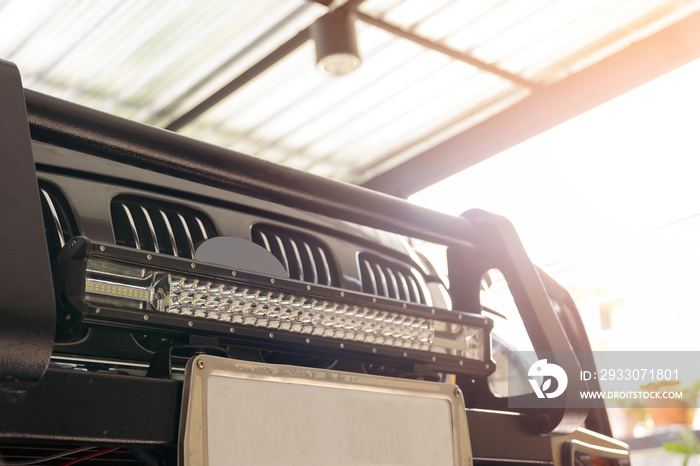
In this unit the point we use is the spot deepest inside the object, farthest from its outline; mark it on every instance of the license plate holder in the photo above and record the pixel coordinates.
(246, 413)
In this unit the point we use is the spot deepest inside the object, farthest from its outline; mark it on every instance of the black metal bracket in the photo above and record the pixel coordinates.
(27, 307)
(93, 408)
(162, 361)
(498, 246)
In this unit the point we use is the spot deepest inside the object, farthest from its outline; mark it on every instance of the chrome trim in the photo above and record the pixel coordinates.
(394, 283)
(312, 261)
(156, 248)
(300, 264)
(190, 244)
(404, 286)
(326, 266)
(132, 224)
(201, 228)
(169, 227)
(283, 253)
(266, 242)
(381, 276)
(54, 214)
(414, 288)
(373, 279)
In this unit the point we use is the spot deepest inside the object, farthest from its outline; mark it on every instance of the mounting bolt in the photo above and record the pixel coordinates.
(308, 287)
(149, 257)
(190, 323)
(434, 358)
(200, 364)
(374, 300)
(102, 248)
(488, 366)
(342, 345)
(457, 393)
(193, 265)
(271, 335)
(231, 329)
(459, 316)
(342, 294)
(308, 340)
(272, 280)
(68, 317)
(97, 310)
(374, 350)
(405, 305)
(233, 273)
(432, 311)
(145, 317)
(461, 363)
(405, 354)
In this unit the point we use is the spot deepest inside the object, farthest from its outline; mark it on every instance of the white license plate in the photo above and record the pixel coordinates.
(243, 413)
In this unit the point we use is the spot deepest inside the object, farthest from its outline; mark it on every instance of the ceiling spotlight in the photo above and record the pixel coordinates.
(336, 43)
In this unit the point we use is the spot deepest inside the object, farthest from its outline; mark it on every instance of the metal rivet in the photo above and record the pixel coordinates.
(231, 329)
(272, 280)
(271, 335)
(190, 323)
(342, 345)
(405, 305)
(308, 340)
(97, 310)
(193, 265)
(432, 311)
(457, 393)
(461, 363)
(67, 317)
(473, 381)
(145, 317)
(342, 294)
(434, 359)
(200, 364)
(374, 350)
(149, 257)
(73, 243)
(308, 287)
(233, 272)
(488, 366)
(405, 355)
(459, 316)
(102, 248)
(374, 300)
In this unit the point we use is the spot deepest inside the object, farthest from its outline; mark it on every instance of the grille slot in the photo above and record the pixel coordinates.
(59, 222)
(386, 278)
(159, 227)
(304, 257)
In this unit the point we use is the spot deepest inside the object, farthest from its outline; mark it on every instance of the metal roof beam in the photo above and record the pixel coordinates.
(547, 107)
(450, 52)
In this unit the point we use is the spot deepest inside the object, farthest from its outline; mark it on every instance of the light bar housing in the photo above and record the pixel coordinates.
(107, 285)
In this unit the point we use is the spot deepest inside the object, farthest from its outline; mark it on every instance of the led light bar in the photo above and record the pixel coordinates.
(107, 285)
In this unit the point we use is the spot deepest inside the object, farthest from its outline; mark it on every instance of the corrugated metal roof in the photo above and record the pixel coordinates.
(155, 61)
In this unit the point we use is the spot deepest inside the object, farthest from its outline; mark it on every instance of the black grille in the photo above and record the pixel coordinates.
(159, 227)
(303, 256)
(387, 278)
(59, 222)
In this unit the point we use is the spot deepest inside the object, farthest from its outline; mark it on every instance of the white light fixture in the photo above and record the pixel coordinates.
(336, 43)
